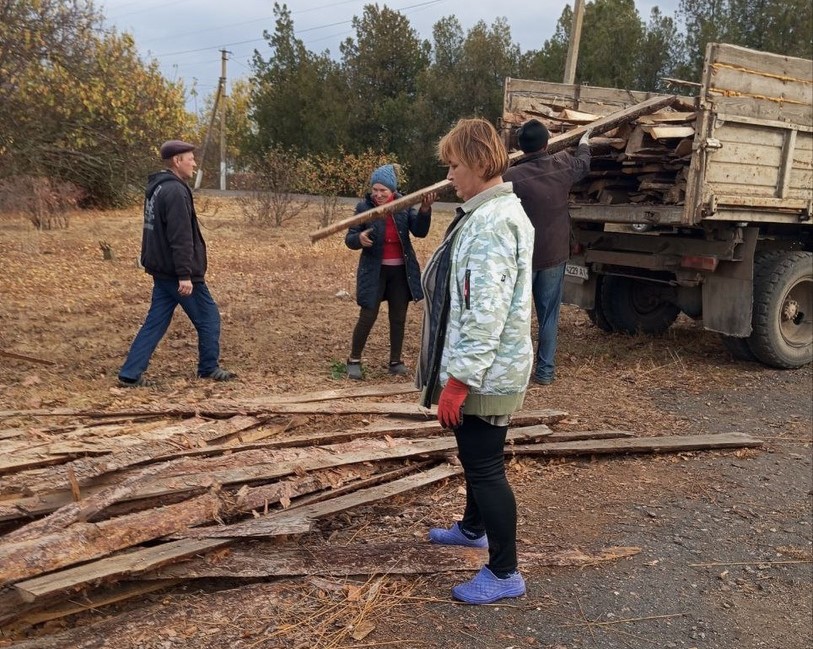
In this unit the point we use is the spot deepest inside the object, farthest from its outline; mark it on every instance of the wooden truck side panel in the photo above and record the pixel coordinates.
(755, 137)
(528, 96)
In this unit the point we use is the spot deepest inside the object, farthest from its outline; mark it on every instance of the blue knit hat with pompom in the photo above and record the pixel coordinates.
(385, 175)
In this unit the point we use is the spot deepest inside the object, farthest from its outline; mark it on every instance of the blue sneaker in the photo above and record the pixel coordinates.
(486, 588)
(454, 536)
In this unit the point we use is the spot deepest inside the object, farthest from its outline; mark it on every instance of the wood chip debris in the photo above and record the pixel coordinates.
(86, 508)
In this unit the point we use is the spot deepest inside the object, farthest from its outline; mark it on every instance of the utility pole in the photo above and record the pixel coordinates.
(224, 98)
(220, 102)
(573, 46)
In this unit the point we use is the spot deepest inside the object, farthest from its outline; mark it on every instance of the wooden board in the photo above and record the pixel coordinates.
(88, 602)
(669, 132)
(578, 117)
(189, 434)
(667, 117)
(372, 390)
(761, 75)
(275, 468)
(129, 564)
(263, 559)
(86, 541)
(640, 445)
(145, 559)
(379, 429)
(762, 63)
(307, 513)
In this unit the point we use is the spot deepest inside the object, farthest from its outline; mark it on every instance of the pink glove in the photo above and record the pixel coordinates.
(450, 404)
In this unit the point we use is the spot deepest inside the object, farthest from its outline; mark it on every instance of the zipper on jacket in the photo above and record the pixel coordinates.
(467, 289)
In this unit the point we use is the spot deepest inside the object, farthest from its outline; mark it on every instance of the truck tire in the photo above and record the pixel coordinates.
(782, 319)
(596, 314)
(738, 348)
(636, 306)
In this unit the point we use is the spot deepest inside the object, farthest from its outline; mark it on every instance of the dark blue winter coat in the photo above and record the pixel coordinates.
(408, 222)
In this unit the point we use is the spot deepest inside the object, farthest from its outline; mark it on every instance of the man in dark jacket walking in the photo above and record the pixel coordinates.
(542, 182)
(174, 253)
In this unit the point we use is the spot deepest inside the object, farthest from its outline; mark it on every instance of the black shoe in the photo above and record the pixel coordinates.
(219, 374)
(539, 380)
(398, 368)
(140, 382)
(354, 370)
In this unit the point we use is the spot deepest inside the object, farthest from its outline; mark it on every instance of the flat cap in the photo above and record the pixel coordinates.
(175, 147)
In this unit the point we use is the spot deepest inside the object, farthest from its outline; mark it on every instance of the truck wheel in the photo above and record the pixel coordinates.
(738, 348)
(782, 320)
(596, 314)
(632, 306)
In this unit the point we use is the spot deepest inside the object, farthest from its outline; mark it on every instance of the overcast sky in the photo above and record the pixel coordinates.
(185, 36)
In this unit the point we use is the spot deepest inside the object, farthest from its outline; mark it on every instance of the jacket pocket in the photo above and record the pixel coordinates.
(467, 290)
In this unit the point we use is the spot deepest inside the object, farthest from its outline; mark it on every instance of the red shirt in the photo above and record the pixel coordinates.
(393, 251)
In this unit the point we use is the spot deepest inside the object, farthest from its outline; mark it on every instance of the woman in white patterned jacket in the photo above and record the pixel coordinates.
(476, 349)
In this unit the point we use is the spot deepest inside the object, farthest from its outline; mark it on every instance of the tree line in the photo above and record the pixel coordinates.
(80, 106)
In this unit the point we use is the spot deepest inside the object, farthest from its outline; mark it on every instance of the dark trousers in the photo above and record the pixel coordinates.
(490, 503)
(202, 311)
(394, 288)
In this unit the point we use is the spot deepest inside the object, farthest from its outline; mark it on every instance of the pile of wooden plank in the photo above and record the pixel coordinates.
(644, 160)
(125, 494)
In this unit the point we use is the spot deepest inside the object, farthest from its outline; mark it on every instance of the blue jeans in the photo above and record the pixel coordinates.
(202, 311)
(547, 290)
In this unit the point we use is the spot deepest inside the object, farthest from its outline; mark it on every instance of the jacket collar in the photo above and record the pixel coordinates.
(503, 189)
(530, 157)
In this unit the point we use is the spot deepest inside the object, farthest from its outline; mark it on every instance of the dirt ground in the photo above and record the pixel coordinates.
(726, 545)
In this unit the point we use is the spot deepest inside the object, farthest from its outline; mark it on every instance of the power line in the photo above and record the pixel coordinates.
(162, 4)
(252, 21)
(296, 32)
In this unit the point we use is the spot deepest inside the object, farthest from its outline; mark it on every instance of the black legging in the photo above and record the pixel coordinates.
(394, 288)
(490, 503)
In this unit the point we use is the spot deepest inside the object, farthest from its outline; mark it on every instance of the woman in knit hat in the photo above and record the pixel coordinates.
(388, 268)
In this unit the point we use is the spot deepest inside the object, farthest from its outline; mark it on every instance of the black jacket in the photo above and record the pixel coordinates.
(542, 182)
(369, 269)
(172, 246)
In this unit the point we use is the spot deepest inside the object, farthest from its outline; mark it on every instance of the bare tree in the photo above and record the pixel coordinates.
(271, 198)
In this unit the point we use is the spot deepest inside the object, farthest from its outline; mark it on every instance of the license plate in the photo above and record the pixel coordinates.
(574, 270)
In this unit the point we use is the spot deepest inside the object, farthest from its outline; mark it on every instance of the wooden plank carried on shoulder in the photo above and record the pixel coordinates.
(556, 143)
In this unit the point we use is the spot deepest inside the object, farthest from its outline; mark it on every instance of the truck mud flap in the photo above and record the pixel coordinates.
(728, 292)
(579, 291)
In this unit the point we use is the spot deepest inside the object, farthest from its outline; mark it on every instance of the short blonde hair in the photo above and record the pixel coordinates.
(475, 143)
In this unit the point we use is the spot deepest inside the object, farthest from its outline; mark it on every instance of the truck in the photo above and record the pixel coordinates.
(729, 236)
